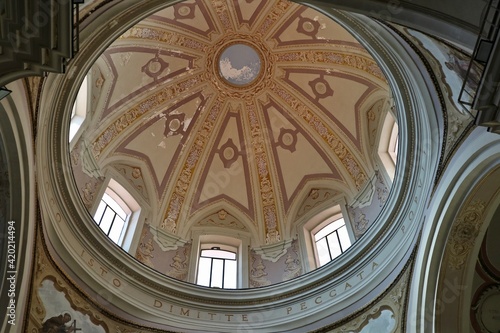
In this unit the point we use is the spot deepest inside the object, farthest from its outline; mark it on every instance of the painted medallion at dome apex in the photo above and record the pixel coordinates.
(239, 64)
(267, 111)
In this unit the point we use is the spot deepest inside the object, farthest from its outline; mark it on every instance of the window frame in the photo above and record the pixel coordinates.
(388, 145)
(226, 249)
(307, 228)
(134, 219)
(203, 238)
(79, 111)
(319, 228)
(108, 202)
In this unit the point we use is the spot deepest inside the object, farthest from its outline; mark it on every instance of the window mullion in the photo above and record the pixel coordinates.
(223, 271)
(103, 214)
(328, 246)
(211, 271)
(338, 240)
(112, 222)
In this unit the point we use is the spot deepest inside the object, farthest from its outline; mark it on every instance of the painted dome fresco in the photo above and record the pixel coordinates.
(246, 124)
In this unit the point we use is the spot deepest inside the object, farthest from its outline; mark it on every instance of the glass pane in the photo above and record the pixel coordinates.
(107, 219)
(344, 238)
(116, 230)
(74, 126)
(99, 212)
(334, 244)
(323, 232)
(204, 272)
(222, 254)
(230, 274)
(329, 228)
(217, 273)
(338, 223)
(113, 204)
(323, 254)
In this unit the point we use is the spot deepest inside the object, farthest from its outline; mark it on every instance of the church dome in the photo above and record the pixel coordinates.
(257, 139)
(235, 119)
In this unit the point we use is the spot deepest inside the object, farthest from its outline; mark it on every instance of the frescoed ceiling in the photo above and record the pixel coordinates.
(244, 106)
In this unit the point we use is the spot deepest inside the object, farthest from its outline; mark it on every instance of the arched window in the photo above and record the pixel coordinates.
(388, 145)
(219, 261)
(325, 236)
(117, 214)
(218, 268)
(393, 143)
(331, 241)
(111, 216)
(79, 111)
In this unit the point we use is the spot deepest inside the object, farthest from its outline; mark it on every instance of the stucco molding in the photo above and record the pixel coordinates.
(453, 233)
(355, 278)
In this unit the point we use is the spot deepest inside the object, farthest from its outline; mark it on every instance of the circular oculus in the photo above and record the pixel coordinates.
(239, 64)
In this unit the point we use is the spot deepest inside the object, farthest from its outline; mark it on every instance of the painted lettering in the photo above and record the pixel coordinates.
(103, 271)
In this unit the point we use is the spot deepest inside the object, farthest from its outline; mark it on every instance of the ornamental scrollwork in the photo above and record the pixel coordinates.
(464, 233)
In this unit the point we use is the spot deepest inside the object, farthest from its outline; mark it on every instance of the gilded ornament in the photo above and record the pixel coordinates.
(136, 173)
(222, 214)
(145, 252)
(175, 205)
(464, 233)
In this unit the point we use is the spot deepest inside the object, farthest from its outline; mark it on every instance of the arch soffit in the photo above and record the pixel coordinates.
(452, 235)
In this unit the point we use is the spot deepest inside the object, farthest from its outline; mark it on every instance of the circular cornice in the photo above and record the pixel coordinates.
(331, 292)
